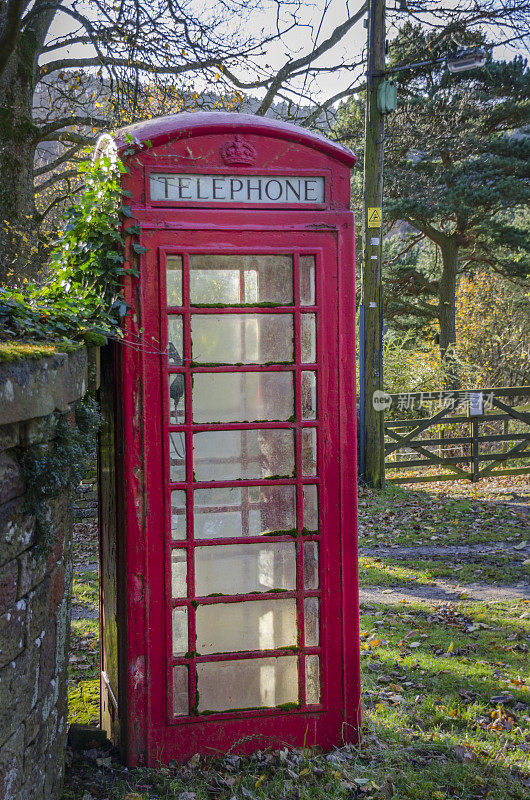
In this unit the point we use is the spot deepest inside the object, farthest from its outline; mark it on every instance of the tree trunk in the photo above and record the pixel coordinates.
(19, 136)
(447, 311)
(18, 139)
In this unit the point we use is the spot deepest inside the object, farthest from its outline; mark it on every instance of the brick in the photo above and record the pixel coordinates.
(39, 430)
(11, 766)
(9, 436)
(47, 657)
(18, 680)
(35, 767)
(34, 789)
(32, 570)
(8, 584)
(55, 762)
(11, 479)
(86, 502)
(39, 715)
(60, 515)
(17, 529)
(85, 513)
(12, 632)
(34, 752)
(39, 609)
(57, 587)
(63, 640)
(32, 388)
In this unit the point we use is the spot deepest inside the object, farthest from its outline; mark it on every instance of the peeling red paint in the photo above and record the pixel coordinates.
(137, 669)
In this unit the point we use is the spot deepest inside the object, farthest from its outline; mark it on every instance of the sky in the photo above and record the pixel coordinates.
(317, 18)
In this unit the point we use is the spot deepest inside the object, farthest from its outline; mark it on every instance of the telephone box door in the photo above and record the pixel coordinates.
(246, 598)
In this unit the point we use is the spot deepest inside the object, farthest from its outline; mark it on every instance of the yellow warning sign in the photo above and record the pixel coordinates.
(375, 217)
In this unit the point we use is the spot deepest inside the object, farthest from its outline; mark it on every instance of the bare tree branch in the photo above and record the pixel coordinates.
(292, 66)
(49, 167)
(63, 122)
(59, 176)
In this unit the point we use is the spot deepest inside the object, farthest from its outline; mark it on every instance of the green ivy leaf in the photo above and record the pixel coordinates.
(138, 248)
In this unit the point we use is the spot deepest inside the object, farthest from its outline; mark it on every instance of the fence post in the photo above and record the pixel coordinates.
(475, 477)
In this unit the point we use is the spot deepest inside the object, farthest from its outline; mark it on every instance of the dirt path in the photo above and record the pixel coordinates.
(443, 551)
(446, 590)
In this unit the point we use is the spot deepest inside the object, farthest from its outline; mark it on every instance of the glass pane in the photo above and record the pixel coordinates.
(175, 342)
(174, 280)
(176, 399)
(308, 338)
(180, 691)
(311, 621)
(177, 456)
(310, 507)
(309, 451)
(244, 568)
(229, 455)
(256, 625)
(245, 511)
(180, 631)
(178, 514)
(242, 338)
(310, 565)
(178, 573)
(252, 683)
(242, 396)
(307, 280)
(312, 680)
(234, 280)
(309, 395)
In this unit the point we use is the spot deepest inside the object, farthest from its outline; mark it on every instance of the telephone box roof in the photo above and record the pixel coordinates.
(161, 130)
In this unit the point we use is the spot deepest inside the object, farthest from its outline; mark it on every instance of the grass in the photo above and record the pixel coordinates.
(86, 589)
(408, 517)
(83, 703)
(429, 675)
(17, 351)
(491, 569)
(83, 671)
(446, 700)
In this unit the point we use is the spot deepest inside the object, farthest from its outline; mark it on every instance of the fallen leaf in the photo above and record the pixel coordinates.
(464, 753)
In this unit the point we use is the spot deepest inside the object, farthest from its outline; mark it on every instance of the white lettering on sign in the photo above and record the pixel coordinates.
(254, 189)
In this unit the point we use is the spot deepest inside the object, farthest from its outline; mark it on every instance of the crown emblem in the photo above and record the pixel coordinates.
(238, 152)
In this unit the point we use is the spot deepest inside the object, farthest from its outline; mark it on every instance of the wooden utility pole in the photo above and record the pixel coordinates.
(372, 294)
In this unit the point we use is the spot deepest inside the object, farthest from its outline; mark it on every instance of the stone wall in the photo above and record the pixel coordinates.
(35, 580)
(86, 494)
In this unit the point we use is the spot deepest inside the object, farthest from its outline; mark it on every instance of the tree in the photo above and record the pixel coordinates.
(456, 172)
(493, 328)
(113, 64)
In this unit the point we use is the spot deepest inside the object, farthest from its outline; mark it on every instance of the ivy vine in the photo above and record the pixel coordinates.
(82, 299)
(53, 468)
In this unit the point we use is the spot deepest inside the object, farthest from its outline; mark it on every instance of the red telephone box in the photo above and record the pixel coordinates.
(229, 600)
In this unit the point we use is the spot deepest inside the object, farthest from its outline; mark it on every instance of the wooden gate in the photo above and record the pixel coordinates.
(477, 434)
